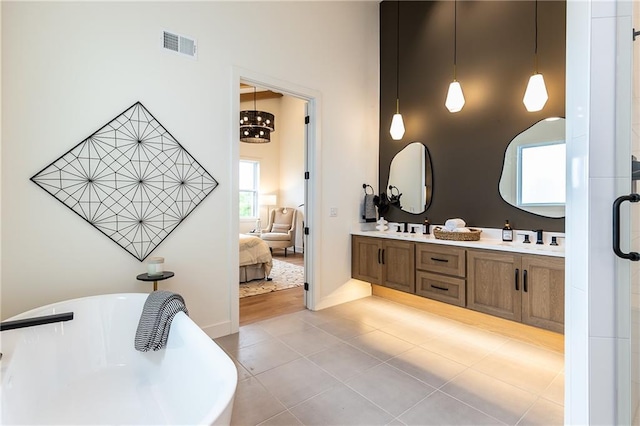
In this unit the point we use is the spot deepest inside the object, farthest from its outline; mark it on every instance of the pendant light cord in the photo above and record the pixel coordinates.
(398, 61)
(455, 37)
(255, 108)
(535, 55)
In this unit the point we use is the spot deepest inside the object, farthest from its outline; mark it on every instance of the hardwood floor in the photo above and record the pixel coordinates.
(293, 258)
(269, 305)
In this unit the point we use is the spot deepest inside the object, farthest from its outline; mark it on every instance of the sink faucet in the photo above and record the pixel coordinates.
(538, 236)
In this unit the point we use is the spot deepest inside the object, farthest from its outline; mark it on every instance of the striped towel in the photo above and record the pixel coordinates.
(369, 208)
(158, 312)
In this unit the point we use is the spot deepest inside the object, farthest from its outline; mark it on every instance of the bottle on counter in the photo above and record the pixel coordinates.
(426, 228)
(507, 232)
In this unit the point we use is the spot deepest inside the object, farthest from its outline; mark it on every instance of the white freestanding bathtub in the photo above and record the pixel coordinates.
(86, 371)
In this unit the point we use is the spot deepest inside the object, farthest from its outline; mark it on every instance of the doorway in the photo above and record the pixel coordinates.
(302, 199)
(271, 189)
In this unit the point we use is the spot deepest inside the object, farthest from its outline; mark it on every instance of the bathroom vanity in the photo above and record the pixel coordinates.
(516, 281)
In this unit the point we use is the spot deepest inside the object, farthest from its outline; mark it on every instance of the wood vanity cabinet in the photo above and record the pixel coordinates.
(519, 287)
(390, 263)
(440, 273)
(365, 259)
(525, 288)
(543, 292)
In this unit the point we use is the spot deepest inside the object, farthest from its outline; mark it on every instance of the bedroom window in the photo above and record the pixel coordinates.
(249, 183)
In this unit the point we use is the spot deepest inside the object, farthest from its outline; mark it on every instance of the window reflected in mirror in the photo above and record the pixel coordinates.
(534, 170)
(541, 174)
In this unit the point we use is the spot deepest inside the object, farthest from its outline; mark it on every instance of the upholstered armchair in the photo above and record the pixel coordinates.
(281, 231)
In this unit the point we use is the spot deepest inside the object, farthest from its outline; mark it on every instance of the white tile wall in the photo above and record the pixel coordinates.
(602, 101)
(600, 9)
(577, 213)
(602, 404)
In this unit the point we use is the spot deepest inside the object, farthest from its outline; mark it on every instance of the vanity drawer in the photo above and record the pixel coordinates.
(438, 287)
(441, 260)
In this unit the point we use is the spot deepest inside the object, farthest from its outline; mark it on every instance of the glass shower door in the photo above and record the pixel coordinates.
(628, 270)
(634, 273)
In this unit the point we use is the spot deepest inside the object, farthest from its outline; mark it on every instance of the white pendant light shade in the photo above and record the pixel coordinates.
(397, 127)
(536, 94)
(455, 98)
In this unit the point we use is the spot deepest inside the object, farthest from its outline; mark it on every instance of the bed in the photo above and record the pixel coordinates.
(255, 258)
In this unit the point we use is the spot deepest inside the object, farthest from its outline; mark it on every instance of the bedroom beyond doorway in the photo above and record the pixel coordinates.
(276, 303)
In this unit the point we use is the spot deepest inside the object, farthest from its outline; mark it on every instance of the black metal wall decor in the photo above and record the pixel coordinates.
(131, 180)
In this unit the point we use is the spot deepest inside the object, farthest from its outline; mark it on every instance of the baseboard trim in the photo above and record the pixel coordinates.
(218, 330)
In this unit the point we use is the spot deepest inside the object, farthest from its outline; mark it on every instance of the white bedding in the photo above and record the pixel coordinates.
(255, 251)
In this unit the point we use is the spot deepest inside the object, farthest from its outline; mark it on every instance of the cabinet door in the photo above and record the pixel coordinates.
(493, 284)
(543, 292)
(366, 259)
(398, 259)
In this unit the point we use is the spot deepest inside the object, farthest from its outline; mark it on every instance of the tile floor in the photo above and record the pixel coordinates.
(376, 362)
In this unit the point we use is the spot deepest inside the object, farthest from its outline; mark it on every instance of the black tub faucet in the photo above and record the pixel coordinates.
(538, 236)
(31, 322)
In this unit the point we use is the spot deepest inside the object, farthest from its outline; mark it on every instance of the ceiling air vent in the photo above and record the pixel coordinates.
(179, 44)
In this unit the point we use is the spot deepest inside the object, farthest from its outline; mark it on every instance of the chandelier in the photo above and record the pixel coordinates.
(256, 126)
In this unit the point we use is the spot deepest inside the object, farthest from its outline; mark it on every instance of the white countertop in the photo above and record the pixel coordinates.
(483, 243)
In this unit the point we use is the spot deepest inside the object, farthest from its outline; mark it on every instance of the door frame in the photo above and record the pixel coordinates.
(312, 187)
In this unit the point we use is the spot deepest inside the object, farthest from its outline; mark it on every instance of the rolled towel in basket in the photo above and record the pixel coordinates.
(461, 230)
(451, 224)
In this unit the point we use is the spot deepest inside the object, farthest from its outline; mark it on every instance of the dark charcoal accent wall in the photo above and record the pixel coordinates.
(495, 60)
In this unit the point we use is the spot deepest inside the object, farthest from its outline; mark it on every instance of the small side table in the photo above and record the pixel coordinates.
(155, 278)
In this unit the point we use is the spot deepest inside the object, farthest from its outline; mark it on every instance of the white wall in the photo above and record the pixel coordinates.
(67, 68)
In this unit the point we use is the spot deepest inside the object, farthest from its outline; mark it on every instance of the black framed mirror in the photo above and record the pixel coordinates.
(410, 184)
(534, 170)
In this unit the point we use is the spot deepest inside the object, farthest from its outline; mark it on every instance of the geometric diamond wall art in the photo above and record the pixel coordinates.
(131, 180)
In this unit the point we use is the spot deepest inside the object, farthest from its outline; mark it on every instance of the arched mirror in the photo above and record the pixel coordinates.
(533, 175)
(410, 179)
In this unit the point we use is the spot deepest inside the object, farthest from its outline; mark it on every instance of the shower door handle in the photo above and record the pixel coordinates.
(633, 198)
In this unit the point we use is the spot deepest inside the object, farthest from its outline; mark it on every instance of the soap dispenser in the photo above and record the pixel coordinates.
(507, 232)
(426, 228)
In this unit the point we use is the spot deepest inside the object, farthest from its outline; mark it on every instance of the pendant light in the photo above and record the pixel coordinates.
(536, 94)
(455, 98)
(397, 125)
(256, 126)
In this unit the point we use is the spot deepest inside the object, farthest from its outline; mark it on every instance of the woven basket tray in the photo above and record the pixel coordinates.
(474, 235)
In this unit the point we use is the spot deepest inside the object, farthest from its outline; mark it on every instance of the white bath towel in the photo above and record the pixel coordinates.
(461, 230)
(451, 224)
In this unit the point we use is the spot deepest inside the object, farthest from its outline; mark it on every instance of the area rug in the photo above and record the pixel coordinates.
(284, 275)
